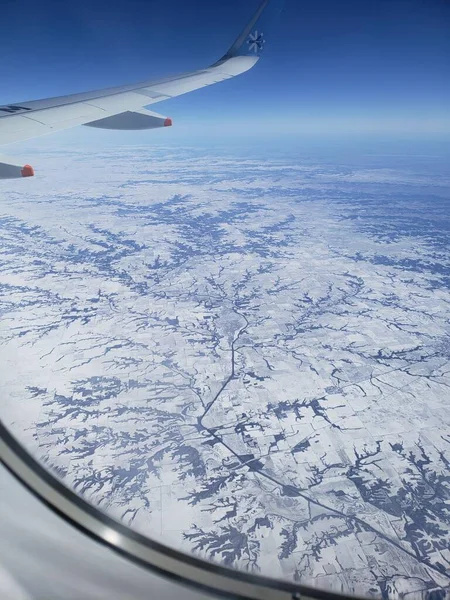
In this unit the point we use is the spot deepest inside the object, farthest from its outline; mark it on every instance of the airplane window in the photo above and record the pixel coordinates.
(225, 319)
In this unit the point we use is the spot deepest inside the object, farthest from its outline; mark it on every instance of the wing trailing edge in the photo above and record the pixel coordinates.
(132, 120)
(15, 171)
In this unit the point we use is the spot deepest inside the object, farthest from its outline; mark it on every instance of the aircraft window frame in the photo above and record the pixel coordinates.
(150, 554)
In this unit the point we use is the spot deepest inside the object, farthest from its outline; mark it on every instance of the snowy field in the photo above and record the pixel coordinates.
(247, 359)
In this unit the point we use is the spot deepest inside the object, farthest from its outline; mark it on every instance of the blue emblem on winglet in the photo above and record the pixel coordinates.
(256, 42)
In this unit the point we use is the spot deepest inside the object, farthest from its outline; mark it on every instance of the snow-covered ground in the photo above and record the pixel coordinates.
(246, 359)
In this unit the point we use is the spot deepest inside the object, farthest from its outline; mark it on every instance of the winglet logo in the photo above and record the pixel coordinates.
(256, 42)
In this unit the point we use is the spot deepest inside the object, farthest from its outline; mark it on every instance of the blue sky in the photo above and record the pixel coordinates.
(354, 66)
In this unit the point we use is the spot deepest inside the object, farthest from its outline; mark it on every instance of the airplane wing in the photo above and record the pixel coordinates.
(122, 107)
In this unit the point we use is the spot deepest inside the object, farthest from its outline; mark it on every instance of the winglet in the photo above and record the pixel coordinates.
(252, 39)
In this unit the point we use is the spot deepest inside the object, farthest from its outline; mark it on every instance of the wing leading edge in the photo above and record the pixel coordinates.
(122, 107)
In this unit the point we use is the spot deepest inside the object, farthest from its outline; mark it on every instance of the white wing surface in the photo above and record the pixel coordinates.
(122, 107)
